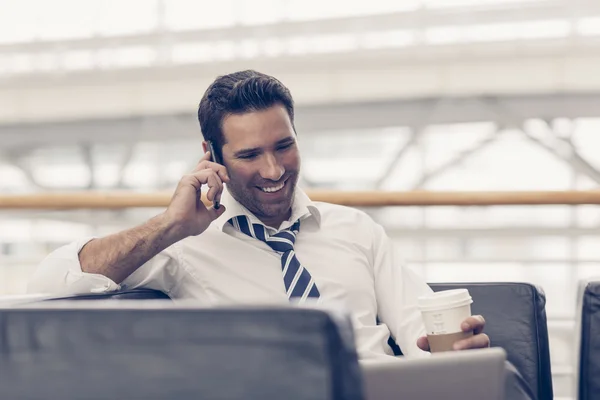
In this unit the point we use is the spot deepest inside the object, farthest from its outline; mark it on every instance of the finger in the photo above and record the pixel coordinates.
(199, 178)
(208, 164)
(203, 163)
(216, 213)
(205, 177)
(423, 343)
(474, 323)
(187, 181)
(222, 171)
(474, 342)
(206, 157)
(215, 186)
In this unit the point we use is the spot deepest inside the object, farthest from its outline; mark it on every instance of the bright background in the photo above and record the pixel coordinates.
(391, 95)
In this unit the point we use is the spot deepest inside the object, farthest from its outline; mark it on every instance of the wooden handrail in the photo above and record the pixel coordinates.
(120, 200)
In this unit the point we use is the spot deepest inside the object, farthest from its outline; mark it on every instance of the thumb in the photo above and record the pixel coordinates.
(216, 213)
(423, 343)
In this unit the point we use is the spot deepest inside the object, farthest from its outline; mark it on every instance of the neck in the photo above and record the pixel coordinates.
(275, 222)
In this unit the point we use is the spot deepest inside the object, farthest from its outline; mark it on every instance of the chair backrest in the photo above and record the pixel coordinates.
(138, 350)
(589, 341)
(515, 317)
(515, 320)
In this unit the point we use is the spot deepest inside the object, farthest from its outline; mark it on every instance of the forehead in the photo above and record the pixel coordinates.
(257, 128)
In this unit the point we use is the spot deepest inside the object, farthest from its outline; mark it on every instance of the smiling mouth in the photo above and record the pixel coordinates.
(272, 189)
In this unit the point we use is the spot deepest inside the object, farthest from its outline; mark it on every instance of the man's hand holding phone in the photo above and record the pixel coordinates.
(186, 213)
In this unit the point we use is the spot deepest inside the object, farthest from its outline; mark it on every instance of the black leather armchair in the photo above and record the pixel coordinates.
(589, 345)
(515, 317)
(94, 350)
(515, 320)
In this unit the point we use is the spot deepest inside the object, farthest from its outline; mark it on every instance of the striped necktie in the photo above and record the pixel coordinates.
(299, 285)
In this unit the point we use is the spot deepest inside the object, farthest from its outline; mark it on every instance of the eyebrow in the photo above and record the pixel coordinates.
(287, 140)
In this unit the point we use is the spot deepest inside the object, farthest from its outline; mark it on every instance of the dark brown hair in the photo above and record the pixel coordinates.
(238, 93)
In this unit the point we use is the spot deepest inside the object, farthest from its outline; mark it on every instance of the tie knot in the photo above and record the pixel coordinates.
(281, 241)
(299, 284)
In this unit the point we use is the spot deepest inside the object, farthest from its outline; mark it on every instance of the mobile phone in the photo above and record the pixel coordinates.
(214, 158)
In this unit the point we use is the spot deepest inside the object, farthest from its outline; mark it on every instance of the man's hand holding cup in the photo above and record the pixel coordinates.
(449, 323)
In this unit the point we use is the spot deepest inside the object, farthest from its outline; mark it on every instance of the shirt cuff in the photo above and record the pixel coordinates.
(60, 273)
(82, 282)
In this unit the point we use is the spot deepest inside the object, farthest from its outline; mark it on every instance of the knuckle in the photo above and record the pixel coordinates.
(216, 177)
(187, 178)
(206, 173)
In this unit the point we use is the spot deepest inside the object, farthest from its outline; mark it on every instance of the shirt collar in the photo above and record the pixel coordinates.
(302, 208)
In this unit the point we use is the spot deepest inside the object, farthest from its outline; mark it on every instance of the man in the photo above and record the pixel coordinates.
(267, 242)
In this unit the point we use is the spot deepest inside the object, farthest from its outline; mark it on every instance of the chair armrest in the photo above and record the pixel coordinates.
(589, 340)
(136, 294)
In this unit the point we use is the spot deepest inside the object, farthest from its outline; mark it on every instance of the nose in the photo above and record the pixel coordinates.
(271, 168)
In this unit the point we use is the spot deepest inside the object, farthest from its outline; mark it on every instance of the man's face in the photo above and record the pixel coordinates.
(263, 162)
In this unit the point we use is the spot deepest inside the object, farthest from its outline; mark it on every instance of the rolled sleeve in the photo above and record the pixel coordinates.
(60, 273)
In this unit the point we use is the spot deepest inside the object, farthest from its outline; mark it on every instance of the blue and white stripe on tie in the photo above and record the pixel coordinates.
(299, 285)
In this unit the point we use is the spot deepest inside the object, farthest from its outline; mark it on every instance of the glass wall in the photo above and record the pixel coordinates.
(551, 246)
(85, 43)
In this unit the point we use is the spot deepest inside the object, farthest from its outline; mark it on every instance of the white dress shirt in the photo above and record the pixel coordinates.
(348, 255)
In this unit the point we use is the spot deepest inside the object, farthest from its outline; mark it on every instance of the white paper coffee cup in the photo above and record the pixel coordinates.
(443, 312)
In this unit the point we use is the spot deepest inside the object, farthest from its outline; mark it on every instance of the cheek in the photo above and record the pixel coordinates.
(240, 173)
(291, 161)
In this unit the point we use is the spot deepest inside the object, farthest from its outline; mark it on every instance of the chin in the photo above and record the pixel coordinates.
(275, 210)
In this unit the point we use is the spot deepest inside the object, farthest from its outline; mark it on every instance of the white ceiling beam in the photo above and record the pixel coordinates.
(309, 119)
(326, 79)
(417, 19)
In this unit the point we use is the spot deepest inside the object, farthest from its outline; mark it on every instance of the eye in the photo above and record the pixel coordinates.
(285, 146)
(248, 156)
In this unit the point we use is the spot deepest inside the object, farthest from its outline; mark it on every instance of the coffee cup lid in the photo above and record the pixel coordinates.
(444, 299)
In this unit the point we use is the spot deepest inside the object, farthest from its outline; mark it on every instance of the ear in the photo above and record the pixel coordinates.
(205, 146)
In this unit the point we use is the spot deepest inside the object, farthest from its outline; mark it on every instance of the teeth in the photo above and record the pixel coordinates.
(272, 189)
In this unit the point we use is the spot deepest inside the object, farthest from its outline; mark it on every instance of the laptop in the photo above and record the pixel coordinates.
(473, 374)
